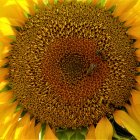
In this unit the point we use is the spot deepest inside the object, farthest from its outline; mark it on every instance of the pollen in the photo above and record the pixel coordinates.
(71, 64)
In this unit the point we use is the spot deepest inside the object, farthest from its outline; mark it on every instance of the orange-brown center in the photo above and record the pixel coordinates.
(73, 69)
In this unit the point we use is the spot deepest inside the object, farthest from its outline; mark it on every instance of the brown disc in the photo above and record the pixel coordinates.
(71, 64)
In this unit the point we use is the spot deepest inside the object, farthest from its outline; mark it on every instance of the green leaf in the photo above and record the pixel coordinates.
(83, 131)
(77, 136)
(43, 128)
(62, 136)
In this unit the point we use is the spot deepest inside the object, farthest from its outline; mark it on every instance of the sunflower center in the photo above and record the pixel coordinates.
(72, 63)
(72, 66)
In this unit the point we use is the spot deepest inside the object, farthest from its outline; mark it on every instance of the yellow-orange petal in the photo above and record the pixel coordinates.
(7, 127)
(37, 130)
(2, 3)
(123, 6)
(32, 3)
(12, 9)
(91, 133)
(5, 97)
(132, 113)
(4, 52)
(2, 63)
(49, 135)
(134, 32)
(13, 12)
(5, 27)
(28, 6)
(124, 120)
(135, 96)
(22, 127)
(137, 44)
(138, 69)
(31, 131)
(137, 52)
(10, 132)
(138, 79)
(132, 20)
(131, 15)
(110, 3)
(136, 111)
(3, 74)
(24, 4)
(9, 21)
(6, 110)
(5, 40)
(104, 130)
(3, 84)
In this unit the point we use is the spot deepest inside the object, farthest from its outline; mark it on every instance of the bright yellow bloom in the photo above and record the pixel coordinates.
(16, 123)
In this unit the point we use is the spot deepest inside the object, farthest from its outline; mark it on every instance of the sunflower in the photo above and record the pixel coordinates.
(69, 69)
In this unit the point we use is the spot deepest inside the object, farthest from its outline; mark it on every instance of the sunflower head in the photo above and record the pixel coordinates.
(68, 65)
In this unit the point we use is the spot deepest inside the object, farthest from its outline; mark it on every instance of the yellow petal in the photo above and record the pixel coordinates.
(110, 3)
(133, 21)
(137, 44)
(22, 127)
(24, 4)
(3, 84)
(135, 104)
(136, 110)
(124, 6)
(49, 135)
(31, 131)
(138, 79)
(135, 97)
(132, 113)
(5, 97)
(4, 47)
(3, 74)
(3, 54)
(28, 132)
(104, 129)
(6, 113)
(131, 15)
(5, 27)
(134, 32)
(91, 133)
(4, 50)
(137, 53)
(37, 130)
(12, 124)
(138, 69)
(2, 63)
(124, 120)
(13, 12)
(28, 6)
(31, 4)
(9, 135)
(2, 2)
(5, 40)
